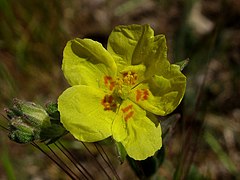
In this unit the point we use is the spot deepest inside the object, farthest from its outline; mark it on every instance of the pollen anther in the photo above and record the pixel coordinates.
(126, 109)
(130, 78)
(109, 103)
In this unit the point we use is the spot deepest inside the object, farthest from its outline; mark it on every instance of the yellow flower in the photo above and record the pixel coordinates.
(116, 92)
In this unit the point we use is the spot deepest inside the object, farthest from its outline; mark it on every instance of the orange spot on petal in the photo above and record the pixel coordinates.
(106, 79)
(126, 109)
(129, 115)
(138, 95)
(142, 94)
(112, 84)
(145, 94)
(109, 82)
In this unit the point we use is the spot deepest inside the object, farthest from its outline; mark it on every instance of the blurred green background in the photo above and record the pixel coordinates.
(204, 144)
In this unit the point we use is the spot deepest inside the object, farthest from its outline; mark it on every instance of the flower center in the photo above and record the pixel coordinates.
(125, 84)
(129, 78)
(120, 88)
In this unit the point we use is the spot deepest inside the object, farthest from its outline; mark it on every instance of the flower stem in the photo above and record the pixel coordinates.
(56, 162)
(107, 160)
(72, 158)
(102, 168)
(76, 176)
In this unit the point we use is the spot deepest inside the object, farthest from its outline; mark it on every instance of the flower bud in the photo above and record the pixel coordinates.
(21, 132)
(29, 122)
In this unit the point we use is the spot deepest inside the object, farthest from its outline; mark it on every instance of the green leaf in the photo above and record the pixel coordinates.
(83, 114)
(7, 163)
(86, 62)
(224, 158)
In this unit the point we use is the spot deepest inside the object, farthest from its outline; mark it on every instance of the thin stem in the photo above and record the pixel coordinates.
(106, 159)
(71, 157)
(2, 125)
(96, 160)
(71, 160)
(4, 128)
(50, 157)
(62, 161)
(75, 160)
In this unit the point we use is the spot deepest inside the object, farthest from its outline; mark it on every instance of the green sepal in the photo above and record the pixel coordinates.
(108, 141)
(52, 133)
(52, 110)
(183, 63)
(21, 137)
(56, 130)
(33, 113)
(12, 112)
(122, 153)
(21, 132)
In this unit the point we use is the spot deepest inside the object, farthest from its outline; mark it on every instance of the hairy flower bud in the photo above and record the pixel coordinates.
(21, 132)
(29, 122)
